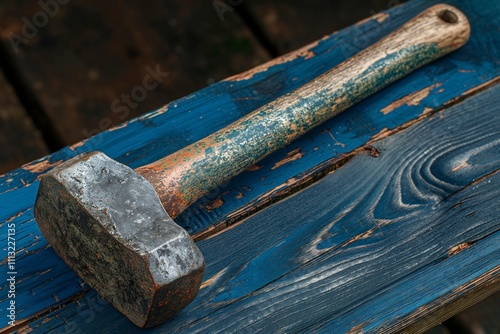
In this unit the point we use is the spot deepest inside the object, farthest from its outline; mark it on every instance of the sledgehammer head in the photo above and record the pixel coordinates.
(107, 223)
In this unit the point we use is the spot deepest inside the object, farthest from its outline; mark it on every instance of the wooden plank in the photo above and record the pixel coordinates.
(45, 281)
(415, 231)
(21, 142)
(89, 54)
(292, 24)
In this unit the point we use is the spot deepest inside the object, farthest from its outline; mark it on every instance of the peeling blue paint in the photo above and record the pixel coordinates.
(137, 144)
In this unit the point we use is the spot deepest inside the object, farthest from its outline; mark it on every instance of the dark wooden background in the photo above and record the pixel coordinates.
(68, 68)
(65, 64)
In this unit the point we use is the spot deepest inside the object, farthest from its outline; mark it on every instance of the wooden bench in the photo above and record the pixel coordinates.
(386, 218)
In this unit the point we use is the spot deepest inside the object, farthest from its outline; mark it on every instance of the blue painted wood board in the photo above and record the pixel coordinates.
(341, 263)
(44, 281)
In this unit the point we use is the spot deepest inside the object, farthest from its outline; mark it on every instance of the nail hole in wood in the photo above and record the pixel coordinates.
(448, 16)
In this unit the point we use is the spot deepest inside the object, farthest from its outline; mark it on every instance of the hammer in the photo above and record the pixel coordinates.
(114, 225)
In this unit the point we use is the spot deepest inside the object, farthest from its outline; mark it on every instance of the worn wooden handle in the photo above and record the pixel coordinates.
(183, 177)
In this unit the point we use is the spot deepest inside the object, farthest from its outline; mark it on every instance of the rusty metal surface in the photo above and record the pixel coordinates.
(107, 223)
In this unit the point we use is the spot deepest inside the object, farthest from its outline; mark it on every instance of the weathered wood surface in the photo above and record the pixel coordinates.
(45, 282)
(402, 240)
(88, 54)
(20, 141)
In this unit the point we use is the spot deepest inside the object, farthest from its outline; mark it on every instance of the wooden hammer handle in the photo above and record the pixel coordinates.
(183, 177)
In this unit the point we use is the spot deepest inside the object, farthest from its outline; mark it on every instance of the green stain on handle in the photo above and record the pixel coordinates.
(231, 150)
(183, 177)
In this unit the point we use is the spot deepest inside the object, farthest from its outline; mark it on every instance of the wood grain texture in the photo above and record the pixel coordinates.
(91, 53)
(376, 246)
(46, 282)
(16, 127)
(184, 176)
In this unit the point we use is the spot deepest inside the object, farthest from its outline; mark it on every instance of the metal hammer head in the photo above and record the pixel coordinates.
(107, 223)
